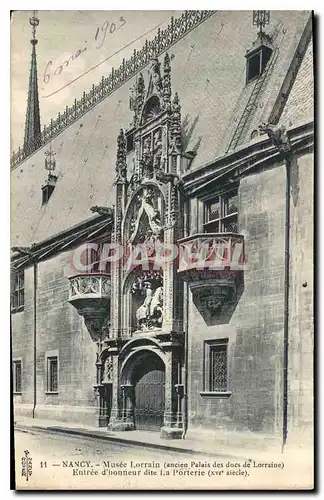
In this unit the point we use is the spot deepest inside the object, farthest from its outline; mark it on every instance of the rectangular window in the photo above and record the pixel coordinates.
(254, 67)
(52, 374)
(17, 376)
(17, 298)
(47, 193)
(221, 213)
(129, 142)
(216, 366)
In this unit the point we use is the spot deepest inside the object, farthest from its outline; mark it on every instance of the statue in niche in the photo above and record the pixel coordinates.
(156, 74)
(147, 158)
(149, 314)
(107, 370)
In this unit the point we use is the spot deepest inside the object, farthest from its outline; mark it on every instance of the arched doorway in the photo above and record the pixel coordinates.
(148, 381)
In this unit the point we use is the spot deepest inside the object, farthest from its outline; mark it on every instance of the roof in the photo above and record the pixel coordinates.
(208, 72)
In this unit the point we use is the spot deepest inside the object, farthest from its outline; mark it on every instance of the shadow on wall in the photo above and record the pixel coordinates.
(294, 178)
(218, 308)
(187, 132)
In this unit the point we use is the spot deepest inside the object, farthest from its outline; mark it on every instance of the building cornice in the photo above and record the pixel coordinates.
(230, 167)
(94, 227)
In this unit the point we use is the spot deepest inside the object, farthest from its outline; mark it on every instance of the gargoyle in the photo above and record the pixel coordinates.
(102, 210)
(278, 136)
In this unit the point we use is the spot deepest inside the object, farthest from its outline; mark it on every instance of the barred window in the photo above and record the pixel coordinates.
(221, 213)
(216, 366)
(17, 376)
(17, 298)
(52, 374)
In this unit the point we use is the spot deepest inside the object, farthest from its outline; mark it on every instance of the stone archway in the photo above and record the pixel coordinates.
(143, 389)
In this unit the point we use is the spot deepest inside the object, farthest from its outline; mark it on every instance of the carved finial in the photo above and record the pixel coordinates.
(50, 162)
(260, 19)
(167, 82)
(121, 167)
(34, 22)
(278, 136)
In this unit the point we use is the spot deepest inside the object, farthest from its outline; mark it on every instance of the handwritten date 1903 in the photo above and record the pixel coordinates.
(100, 33)
(104, 29)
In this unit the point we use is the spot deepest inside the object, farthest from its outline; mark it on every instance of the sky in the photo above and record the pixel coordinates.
(71, 43)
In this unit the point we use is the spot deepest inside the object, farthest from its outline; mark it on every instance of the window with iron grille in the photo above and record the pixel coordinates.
(17, 376)
(216, 374)
(17, 298)
(221, 213)
(52, 374)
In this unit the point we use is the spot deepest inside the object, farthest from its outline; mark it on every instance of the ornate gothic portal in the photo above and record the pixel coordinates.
(146, 335)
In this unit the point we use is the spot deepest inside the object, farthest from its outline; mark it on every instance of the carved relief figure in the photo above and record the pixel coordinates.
(143, 312)
(156, 307)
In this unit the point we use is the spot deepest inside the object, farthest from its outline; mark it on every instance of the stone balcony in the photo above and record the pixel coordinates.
(90, 295)
(212, 264)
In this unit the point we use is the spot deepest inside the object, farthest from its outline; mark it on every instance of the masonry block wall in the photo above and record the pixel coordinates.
(301, 328)
(255, 330)
(22, 347)
(61, 329)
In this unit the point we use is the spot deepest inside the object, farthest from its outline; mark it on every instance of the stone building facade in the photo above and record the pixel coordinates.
(184, 303)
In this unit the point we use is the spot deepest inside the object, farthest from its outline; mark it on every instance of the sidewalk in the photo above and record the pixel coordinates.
(211, 447)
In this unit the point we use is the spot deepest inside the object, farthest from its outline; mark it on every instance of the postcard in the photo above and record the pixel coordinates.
(162, 257)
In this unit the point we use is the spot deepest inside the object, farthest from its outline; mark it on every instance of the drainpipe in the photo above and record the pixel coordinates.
(288, 162)
(279, 138)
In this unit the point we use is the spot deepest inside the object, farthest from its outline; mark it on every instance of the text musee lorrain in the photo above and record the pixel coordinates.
(190, 468)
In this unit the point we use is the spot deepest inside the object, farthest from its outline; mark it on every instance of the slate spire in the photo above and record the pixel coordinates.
(32, 125)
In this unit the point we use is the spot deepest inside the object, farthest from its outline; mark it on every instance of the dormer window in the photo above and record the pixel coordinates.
(258, 56)
(47, 192)
(257, 60)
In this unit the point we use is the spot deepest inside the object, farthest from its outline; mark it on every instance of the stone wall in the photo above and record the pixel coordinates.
(255, 330)
(59, 328)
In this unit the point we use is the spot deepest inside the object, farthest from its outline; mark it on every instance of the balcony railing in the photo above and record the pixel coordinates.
(89, 286)
(210, 252)
(213, 266)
